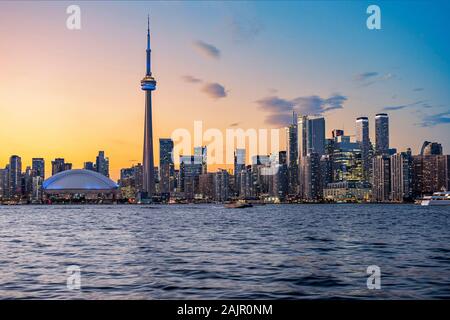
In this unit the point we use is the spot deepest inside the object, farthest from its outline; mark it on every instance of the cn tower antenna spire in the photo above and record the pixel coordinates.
(148, 84)
(149, 71)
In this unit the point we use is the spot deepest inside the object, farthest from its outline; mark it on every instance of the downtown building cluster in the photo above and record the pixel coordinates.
(313, 168)
(26, 186)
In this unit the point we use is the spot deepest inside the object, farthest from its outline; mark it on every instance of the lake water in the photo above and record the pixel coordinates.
(209, 252)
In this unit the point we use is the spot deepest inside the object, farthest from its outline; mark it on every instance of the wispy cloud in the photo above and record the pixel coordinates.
(280, 109)
(234, 124)
(191, 79)
(368, 78)
(418, 89)
(404, 106)
(207, 49)
(214, 90)
(366, 75)
(436, 119)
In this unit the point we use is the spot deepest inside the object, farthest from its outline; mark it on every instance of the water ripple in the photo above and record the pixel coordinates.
(208, 252)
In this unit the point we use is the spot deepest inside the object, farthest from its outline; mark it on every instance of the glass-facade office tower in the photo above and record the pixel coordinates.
(381, 133)
(166, 165)
(38, 167)
(102, 164)
(239, 166)
(362, 138)
(15, 176)
(292, 157)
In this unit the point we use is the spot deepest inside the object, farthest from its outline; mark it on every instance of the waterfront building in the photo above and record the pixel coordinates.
(310, 178)
(311, 135)
(206, 186)
(166, 165)
(362, 138)
(27, 183)
(38, 167)
(79, 186)
(431, 173)
(201, 155)
(190, 170)
(292, 156)
(261, 174)
(102, 164)
(279, 184)
(248, 185)
(347, 162)
(130, 181)
(347, 191)
(15, 176)
(59, 165)
(443, 164)
(381, 134)
(401, 177)
(4, 178)
(37, 192)
(221, 185)
(381, 180)
(239, 165)
(326, 169)
(311, 140)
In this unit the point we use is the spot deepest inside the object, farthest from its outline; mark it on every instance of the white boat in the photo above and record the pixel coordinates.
(441, 198)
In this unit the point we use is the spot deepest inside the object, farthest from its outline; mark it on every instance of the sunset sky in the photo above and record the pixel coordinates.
(69, 93)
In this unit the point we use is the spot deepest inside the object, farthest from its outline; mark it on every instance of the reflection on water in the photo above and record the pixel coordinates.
(208, 252)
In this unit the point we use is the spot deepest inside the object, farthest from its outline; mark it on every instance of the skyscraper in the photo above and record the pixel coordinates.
(15, 176)
(206, 185)
(431, 173)
(59, 165)
(310, 178)
(292, 156)
(302, 137)
(102, 164)
(381, 133)
(239, 165)
(401, 176)
(316, 135)
(381, 180)
(362, 138)
(311, 135)
(38, 167)
(279, 185)
(431, 148)
(166, 165)
(148, 84)
(190, 170)
(201, 156)
(221, 185)
(311, 140)
(4, 177)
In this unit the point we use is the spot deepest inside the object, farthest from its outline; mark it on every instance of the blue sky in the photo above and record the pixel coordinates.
(270, 57)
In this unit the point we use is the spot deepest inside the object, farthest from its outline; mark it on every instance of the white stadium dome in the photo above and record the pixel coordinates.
(79, 181)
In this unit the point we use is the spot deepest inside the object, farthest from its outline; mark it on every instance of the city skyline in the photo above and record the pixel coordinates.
(190, 63)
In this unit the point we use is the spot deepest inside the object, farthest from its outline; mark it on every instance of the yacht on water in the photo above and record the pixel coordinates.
(441, 198)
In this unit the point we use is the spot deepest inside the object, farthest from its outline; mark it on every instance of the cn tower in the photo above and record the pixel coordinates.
(148, 84)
